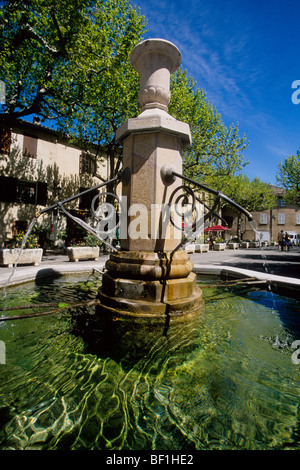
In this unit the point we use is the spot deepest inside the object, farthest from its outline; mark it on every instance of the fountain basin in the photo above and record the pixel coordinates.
(79, 382)
(8, 256)
(282, 285)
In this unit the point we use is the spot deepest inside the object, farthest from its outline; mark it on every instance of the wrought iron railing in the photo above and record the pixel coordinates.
(186, 194)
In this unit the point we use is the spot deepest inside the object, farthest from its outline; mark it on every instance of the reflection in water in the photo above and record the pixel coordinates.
(79, 381)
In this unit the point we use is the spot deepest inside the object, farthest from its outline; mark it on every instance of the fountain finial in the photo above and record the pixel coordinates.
(155, 60)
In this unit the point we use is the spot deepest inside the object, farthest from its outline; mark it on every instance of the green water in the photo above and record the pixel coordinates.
(226, 380)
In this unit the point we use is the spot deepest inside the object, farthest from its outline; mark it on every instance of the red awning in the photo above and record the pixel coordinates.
(216, 228)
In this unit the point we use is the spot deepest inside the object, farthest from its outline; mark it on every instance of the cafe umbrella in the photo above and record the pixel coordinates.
(216, 228)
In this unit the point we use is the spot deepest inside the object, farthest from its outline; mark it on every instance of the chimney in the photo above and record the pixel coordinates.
(36, 120)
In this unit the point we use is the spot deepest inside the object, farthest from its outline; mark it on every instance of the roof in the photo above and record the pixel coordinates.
(37, 127)
(278, 190)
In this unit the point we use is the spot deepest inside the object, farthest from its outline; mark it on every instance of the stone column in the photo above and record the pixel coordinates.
(147, 277)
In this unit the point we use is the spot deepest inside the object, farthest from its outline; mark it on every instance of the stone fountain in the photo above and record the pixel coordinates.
(149, 277)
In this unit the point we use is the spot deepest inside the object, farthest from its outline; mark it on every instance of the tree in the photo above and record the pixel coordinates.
(216, 152)
(253, 195)
(288, 176)
(69, 62)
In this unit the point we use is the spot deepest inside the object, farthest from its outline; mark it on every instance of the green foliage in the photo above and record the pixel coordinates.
(16, 242)
(218, 240)
(288, 176)
(216, 151)
(69, 62)
(88, 240)
(253, 195)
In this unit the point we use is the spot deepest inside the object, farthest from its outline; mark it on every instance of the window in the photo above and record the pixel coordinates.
(87, 164)
(25, 192)
(19, 226)
(20, 191)
(298, 218)
(5, 140)
(263, 219)
(85, 200)
(280, 201)
(30, 146)
(281, 219)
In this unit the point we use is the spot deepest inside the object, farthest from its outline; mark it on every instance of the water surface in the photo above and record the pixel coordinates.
(227, 380)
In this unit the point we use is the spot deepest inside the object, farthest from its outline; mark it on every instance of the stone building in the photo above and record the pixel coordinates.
(39, 167)
(267, 223)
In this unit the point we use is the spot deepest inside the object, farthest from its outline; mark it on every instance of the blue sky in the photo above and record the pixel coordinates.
(245, 55)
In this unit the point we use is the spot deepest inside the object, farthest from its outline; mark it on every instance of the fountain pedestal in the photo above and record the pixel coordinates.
(149, 284)
(149, 276)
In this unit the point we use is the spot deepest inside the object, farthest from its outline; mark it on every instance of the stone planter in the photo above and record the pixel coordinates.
(9, 256)
(233, 246)
(219, 246)
(245, 244)
(254, 244)
(76, 253)
(197, 248)
(190, 248)
(202, 247)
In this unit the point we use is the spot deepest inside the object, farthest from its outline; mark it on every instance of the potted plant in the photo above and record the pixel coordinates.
(31, 253)
(88, 248)
(219, 244)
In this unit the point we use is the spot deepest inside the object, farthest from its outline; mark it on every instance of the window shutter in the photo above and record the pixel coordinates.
(5, 140)
(30, 146)
(42, 195)
(263, 218)
(81, 159)
(27, 192)
(8, 187)
(87, 163)
(85, 200)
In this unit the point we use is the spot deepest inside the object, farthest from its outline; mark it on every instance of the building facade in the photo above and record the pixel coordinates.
(266, 223)
(39, 167)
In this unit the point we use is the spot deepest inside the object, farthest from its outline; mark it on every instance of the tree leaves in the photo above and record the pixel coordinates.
(69, 62)
(288, 175)
(216, 151)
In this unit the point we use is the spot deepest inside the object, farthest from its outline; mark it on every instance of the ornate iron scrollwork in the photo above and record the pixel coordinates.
(168, 175)
(183, 200)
